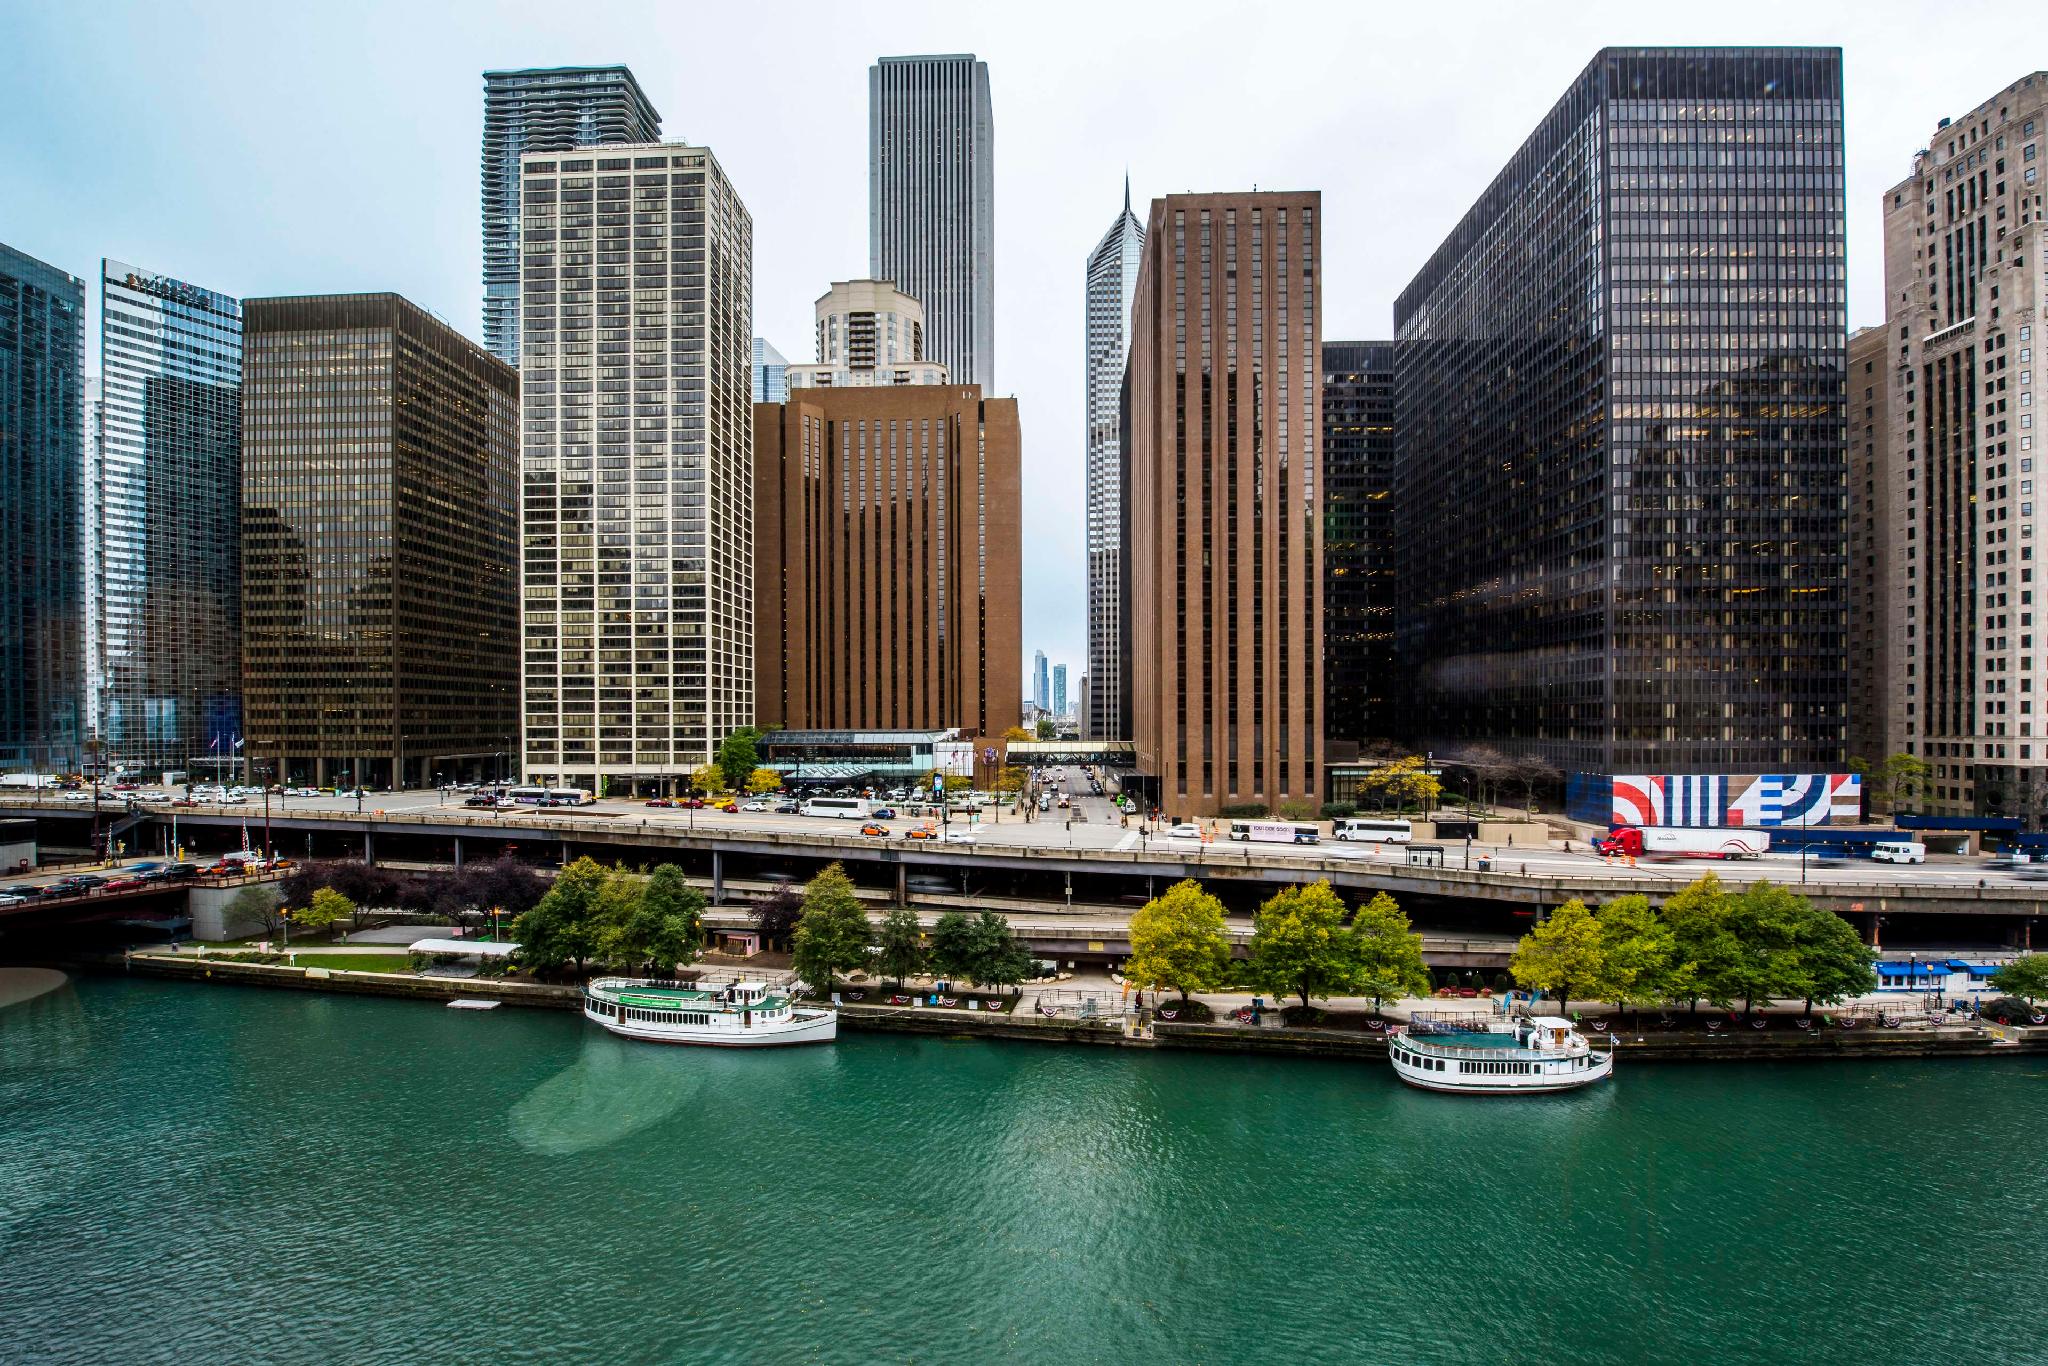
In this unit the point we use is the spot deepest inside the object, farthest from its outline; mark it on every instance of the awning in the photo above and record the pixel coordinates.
(1913, 969)
(481, 948)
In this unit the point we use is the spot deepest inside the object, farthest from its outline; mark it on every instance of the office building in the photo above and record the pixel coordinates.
(1871, 651)
(869, 333)
(1619, 399)
(771, 373)
(95, 676)
(1964, 285)
(1223, 492)
(544, 110)
(163, 532)
(1359, 528)
(1059, 690)
(1112, 276)
(380, 599)
(42, 516)
(931, 202)
(888, 560)
(1041, 682)
(639, 464)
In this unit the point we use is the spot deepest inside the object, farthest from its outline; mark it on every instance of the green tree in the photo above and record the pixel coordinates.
(958, 782)
(1300, 946)
(1000, 958)
(255, 910)
(563, 925)
(1707, 947)
(1639, 951)
(1899, 778)
(1561, 957)
(1177, 942)
(901, 939)
(763, 780)
(832, 934)
(1046, 730)
(1833, 963)
(657, 921)
(327, 909)
(738, 756)
(953, 946)
(1388, 952)
(2025, 977)
(1763, 919)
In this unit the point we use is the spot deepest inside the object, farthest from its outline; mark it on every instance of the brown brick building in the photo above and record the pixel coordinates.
(887, 569)
(1225, 541)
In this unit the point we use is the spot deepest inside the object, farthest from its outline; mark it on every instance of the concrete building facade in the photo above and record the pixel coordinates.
(869, 333)
(932, 202)
(1872, 653)
(638, 494)
(1964, 285)
(1112, 277)
(1223, 490)
(888, 583)
(379, 522)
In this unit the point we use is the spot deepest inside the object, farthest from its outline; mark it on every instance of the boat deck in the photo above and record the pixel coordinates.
(679, 998)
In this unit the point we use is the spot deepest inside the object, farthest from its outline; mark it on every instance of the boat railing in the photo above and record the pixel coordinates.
(1491, 1054)
(1449, 1022)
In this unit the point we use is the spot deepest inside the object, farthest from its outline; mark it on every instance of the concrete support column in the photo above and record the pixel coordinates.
(458, 853)
(369, 849)
(717, 878)
(902, 885)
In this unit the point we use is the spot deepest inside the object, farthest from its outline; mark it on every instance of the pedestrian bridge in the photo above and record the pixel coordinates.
(1093, 753)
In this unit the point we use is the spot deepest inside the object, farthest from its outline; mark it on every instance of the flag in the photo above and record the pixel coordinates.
(245, 838)
(238, 742)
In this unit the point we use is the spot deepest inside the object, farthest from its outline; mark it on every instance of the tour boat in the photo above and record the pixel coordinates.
(1542, 1054)
(739, 1014)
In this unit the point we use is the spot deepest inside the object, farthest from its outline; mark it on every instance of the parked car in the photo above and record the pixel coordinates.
(663, 802)
(755, 805)
(690, 803)
(728, 806)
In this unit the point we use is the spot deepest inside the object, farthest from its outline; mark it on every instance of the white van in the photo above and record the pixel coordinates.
(1368, 828)
(1899, 851)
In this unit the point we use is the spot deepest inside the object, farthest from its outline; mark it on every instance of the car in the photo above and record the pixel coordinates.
(959, 837)
(28, 891)
(663, 802)
(788, 809)
(756, 805)
(482, 801)
(883, 813)
(10, 899)
(728, 807)
(880, 831)
(76, 795)
(2006, 863)
(1186, 830)
(86, 880)
(690, 803)
(124, 884)
(921, 832)
(179, 872)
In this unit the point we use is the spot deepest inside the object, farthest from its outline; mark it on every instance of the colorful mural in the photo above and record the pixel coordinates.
(1729, 799)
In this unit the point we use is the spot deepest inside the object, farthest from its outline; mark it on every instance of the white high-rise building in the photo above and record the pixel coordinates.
(931, 202)
(1112, 276)
(869, 334)
(637, 513)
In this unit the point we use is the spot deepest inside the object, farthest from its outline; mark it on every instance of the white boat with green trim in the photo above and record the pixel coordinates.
(737, 1014)
(1543, 1053)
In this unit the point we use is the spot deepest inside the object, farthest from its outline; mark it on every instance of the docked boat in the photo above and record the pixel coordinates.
(1543, 1053)
(739, 1014)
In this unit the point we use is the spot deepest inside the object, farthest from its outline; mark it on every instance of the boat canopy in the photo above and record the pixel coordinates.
(1550, 1022)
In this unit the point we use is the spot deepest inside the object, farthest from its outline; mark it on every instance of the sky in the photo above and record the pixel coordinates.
(285, 149)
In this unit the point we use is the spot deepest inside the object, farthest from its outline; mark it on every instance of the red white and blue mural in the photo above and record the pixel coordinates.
(1717, 799)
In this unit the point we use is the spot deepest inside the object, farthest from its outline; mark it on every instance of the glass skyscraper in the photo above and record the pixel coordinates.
(1112, 275)
(42, 515)
(1359, 529)
(1621, 425)
(163, 603)
(771, 373)
(545, 110)
(932, 203)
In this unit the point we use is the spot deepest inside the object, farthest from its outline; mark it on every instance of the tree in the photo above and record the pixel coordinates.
(1046, 730)
(563, 925)
(1016, 735)
(958, 782)
(1640, 959)
(1763, 920)
(327, 909)
(1299, 944)
(1177, 942)
(1388, 952)
(1403, 780)
(707, 778)
(901, 939)
(1833, 962)
(1899, 778)
(1562, 956)
(1698, 917)
(774, 916)
(657, 921)
(1010, 778)
(763, 780)
(2025, 977)
(832, 934)
(738, 756)
(953, 947)
(1000, 959)
(254, 910)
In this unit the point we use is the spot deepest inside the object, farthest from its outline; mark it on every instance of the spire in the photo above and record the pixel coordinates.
(1127, 191)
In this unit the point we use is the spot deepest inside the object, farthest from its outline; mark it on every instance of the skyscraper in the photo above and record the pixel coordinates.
(42, 513)
(888, 578)
(1875, 660)
(931, 202)
(639, 463)
(1359, 529)
(1041, 682)
(869, 333)
(164, 479)
(1224, 545)
(380, 604)
(1619, 393)
(771, 373)
(1112, 276)
(542, 110)
(1965, 288)
(1059, 690)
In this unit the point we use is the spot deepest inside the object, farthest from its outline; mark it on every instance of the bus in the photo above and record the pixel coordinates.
(1273, 832)
(550, 796)
(1373, 829)
(844, 808)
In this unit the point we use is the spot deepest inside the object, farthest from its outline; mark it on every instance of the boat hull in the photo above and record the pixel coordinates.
(1599, 1068)
(824, 1028)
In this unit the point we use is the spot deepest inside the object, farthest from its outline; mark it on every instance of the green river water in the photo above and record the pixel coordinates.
(194, 1174)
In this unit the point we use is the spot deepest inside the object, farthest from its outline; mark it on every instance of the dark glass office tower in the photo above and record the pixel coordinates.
(42, 515)
(1358, 543)
(1622, 444)
(380, 513)
(546, 110)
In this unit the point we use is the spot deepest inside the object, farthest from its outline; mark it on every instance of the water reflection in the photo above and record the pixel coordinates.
(615, 1089)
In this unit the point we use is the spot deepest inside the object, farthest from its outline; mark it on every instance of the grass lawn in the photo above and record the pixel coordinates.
(358, 962)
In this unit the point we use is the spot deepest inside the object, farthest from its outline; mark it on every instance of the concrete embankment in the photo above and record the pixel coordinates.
(403, 986)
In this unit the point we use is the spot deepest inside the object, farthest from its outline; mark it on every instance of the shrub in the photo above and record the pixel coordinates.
(2011, 1009)
(1338, 810)
(1244, 810)
(1297, 809)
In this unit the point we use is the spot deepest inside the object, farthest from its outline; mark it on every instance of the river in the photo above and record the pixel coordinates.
(230, 1174)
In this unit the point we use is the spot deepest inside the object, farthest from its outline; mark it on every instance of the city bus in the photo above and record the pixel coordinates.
(844, 808)
(1377, 830)
(551, 796)
(1273, 832)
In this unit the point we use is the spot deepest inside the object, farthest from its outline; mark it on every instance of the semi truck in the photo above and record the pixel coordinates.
(1684, 841)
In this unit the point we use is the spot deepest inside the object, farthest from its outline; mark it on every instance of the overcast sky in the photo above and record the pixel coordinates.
(285, 148)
